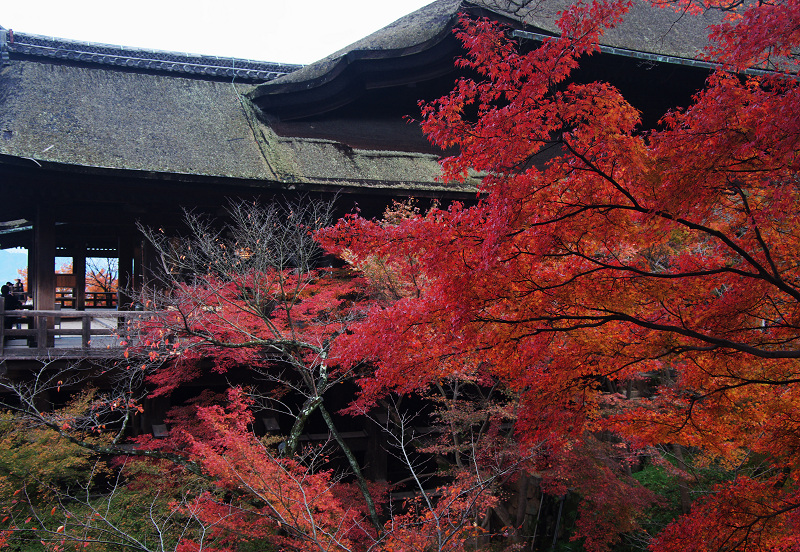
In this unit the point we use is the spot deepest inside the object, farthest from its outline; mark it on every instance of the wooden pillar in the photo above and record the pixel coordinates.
(377, 457)
(44, 260)
(79, 272)
(138, 264)
(149, 262)
(125, 286)
(31, 269)
(2, 323)
(44, 264)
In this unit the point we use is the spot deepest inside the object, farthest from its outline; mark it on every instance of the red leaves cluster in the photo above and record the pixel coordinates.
(303, 502)
(260, 495)
(746, 514)
(604, 253)
(246, 320)
(443, 526)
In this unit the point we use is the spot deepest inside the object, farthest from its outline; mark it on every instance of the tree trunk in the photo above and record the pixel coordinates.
(686, 502)
(299, 424)
(360, 480)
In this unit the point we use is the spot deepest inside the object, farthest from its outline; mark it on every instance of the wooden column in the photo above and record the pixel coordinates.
(44, 263)
(29, 285)
(138, 264)
(44, 260)
(149, 262)
(124, 272)
(79, 271)
(377, 457)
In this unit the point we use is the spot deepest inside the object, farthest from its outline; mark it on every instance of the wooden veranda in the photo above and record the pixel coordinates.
(63, 333)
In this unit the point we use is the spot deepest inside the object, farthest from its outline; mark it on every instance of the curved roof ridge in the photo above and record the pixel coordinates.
(658, 31)
(408, 34)
(142, 58)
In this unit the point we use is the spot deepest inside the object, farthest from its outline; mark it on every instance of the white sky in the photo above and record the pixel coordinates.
(282, 31)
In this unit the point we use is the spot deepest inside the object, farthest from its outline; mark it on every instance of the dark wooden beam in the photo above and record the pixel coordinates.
(79, 270)
(125, 272)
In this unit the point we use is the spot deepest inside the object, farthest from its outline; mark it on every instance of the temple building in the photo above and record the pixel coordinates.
(96, 138)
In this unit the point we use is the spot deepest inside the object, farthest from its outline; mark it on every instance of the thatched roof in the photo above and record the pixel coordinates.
(416, 32)
(98, 112)
(674, 36)
(160, 61)
(107, 118)
(162, 115)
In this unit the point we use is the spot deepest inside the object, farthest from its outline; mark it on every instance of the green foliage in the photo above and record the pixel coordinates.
(667, 486)
(35, 463)
(665, 479)
(36, 459)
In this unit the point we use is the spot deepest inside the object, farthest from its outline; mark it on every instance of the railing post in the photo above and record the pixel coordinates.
(41, 333)
(86, 330)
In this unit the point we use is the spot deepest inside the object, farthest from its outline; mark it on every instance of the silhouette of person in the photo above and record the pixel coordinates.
(11, 303)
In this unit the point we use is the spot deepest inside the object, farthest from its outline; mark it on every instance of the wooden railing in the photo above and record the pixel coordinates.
(94, 299)
(36, 334)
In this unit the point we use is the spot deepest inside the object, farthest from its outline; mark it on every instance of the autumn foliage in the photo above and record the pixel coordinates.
(619, 305)
(246, 307)
(602, 253)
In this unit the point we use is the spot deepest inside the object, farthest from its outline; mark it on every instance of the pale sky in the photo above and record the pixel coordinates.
(282, 31)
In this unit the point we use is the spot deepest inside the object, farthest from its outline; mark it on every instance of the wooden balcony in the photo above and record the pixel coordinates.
(93, 299)
(63, 334)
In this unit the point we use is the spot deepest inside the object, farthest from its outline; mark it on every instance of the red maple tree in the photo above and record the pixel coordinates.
(248, 302)
(666, 257)
(602, 253)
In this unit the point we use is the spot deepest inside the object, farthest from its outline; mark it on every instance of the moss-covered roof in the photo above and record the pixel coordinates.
(160, 114)
(99, 118)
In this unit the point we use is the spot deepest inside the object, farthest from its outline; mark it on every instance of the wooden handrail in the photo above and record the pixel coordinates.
(93, 299)
(41, 332)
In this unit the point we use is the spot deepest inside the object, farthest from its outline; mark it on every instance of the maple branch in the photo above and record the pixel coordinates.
(773, 278)
(597, 170)
(757, 230)
(716, 341)
(594, 321)
(749, 528)
(762, 272)
(662, 275)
